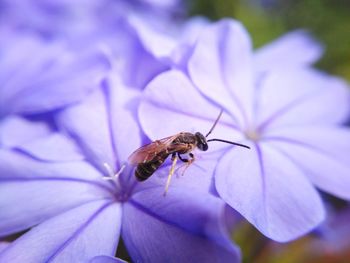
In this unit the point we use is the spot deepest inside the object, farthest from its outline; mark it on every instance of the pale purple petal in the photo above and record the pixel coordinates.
(221, 68)
(159, 44)
(269, 191)
(188, 36)
(322, 153)
(201, 214)
(294, 49)
(137, 66)
(33, 168)
(75, 236)
(89, 124)
(302, 96)
(172, 101)
(54, 147)
(123, 102)
(15, 130)
(52, 77)
(164, 242)
(50, 189)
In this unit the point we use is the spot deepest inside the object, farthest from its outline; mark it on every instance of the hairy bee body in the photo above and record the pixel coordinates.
(145, 170)
(181, 143)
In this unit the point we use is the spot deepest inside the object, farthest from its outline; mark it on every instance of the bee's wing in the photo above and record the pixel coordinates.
(148, 152)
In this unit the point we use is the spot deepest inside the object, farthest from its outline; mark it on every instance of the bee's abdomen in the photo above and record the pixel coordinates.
(145, 170)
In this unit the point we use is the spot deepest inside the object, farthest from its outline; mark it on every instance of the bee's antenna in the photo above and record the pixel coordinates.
(216, 121)
(234, 143)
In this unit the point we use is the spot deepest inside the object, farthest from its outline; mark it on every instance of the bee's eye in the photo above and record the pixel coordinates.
(202, 146)
(201, 142)
(205, 146)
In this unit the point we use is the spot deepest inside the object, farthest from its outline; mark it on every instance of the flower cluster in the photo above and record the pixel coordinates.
(85, 84)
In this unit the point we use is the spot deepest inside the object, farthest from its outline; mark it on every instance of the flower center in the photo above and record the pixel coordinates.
(121, 181)
(253, 135)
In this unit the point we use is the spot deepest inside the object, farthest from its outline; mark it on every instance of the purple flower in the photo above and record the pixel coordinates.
(81, 18)
(37, 76)
(127, 29)
(288, 113)
(54, 185)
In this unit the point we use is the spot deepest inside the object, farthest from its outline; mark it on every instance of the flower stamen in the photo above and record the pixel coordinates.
(112, 176)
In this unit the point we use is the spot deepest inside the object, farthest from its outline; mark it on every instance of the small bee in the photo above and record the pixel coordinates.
(150, 157)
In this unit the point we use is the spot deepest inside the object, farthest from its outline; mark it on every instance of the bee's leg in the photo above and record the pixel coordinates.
(188, 163)
(171, 172)
(185, 160)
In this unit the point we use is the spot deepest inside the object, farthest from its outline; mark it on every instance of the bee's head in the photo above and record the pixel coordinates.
(201, 141)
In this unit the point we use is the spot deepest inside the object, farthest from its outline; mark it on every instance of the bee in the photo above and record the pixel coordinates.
(150, 157)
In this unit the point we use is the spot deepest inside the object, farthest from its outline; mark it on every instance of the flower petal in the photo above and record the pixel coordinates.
(75, 236)
(322, 153)
(89, 124)
(221, 68)
(156, 43)
(269, 191)
(190, 31)
(42, 184)
(55, 147)
(293, 49)
(53, 76)
(171, 105)
(206, 216)
(15, 130)
(123, 104)
(150, 239)
(302, 96)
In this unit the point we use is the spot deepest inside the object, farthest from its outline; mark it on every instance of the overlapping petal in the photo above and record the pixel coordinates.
(16, 130)
(294, 49)
(147, 244)
(156, 43)
(269, 191)
(79, 235)
(122, 103)
(201, 214)
(53, 76)
(136, 64)
(300, 97)
(43, 184)
(88, 123)
(172, 100)
(221, 68)
(53, 147)
(322, 153)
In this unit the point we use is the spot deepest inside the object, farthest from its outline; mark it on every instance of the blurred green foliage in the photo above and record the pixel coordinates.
(327, 20)
(309, 249)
